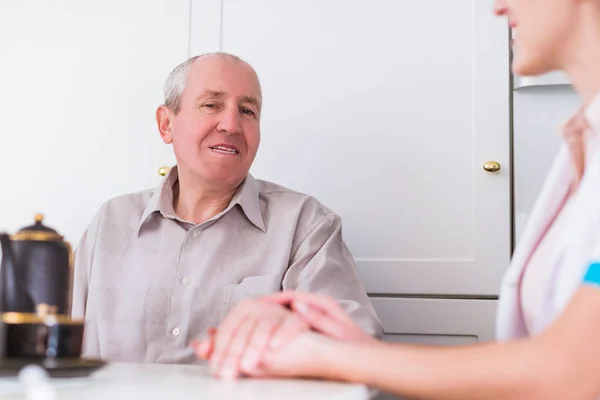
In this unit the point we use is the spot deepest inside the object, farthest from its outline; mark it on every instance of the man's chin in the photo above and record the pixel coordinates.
(222, 175)
(226, 178)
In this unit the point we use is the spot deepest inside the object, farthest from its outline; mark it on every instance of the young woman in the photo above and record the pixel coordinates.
(549, 313)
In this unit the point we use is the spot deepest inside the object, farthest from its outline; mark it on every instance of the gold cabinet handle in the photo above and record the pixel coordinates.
(492, 166)
(162, 171)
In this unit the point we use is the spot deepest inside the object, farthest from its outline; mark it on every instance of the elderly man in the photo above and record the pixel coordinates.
(159, 268)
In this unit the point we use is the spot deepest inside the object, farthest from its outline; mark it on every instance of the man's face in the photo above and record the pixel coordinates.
(216, 133)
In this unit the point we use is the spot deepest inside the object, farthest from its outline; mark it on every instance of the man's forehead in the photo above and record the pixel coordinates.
(217, 94)
(223, 78)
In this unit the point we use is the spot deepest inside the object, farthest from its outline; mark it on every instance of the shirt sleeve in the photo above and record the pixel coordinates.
(83, 259)
(592, 275)
(322, 263)
(80, 277)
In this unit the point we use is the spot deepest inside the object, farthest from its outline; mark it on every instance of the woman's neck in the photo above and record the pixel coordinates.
(582, 61)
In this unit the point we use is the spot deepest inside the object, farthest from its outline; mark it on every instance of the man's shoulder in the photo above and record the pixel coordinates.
(294, 203)
(128, 202)
(118, 213)
(124, 208)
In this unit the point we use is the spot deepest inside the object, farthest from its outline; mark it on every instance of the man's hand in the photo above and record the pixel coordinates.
(248, 331)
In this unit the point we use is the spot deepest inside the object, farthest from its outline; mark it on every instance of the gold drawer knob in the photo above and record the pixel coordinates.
(492, 166)
(162, 171)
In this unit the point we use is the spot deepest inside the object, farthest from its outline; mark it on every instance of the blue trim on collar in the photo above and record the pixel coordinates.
(592, 276)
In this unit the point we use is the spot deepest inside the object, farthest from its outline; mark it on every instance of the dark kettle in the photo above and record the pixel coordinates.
(36, 278)
(36, 271)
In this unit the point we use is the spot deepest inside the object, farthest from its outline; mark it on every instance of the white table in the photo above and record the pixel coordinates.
(175, 382)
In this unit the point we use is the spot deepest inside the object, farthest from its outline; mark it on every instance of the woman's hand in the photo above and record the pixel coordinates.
(241, 340)
(304, 356)
(323, 314)
(278, 353)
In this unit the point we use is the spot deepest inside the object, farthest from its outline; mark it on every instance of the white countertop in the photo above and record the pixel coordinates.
(161, 381)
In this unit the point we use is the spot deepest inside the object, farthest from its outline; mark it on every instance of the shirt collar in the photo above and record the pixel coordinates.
(247, 197)
(592, 114)
(583, 125)
(162, 199)
(586, 119)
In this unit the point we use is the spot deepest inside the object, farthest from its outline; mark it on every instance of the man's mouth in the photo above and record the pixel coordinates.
(225, 149)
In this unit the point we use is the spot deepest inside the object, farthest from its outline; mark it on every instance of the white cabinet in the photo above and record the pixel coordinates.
(437, 321)
(386, 111)
(80, 82)
(555, 78)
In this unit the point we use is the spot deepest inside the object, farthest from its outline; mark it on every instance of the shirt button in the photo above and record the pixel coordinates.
(176, 332)
(186, 280)
(195, 233)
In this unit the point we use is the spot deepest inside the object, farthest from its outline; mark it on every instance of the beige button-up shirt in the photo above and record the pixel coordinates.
(149, 282)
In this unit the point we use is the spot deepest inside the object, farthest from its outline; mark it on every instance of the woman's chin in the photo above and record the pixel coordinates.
(523, 66)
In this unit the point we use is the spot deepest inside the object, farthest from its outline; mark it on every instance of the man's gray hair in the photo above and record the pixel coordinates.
(177, 79)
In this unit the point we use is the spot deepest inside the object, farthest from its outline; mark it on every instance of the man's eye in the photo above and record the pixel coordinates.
(248, 111)
(210, 105)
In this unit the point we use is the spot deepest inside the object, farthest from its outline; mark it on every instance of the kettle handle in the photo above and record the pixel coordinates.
(10, 272)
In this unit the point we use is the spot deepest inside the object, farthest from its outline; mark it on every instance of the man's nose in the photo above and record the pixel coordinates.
(230, 121)
(500, 7)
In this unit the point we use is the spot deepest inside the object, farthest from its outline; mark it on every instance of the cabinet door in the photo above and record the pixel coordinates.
(386, 111)
(447, 322)
(80, 82)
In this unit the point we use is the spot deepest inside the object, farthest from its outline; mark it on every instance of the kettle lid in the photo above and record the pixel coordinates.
(37, 232)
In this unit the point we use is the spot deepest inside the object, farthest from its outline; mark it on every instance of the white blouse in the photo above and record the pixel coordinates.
(537, 273)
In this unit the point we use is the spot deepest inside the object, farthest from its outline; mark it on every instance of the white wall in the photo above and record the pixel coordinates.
(539, 113)
(80, 83)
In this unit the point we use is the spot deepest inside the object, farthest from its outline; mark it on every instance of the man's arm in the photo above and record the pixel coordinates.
(84, 257)
(321, 263)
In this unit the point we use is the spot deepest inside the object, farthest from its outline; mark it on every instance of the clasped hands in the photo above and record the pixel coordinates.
(285, 334)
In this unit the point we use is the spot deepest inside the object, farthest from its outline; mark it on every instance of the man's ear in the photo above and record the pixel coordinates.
(164, 117)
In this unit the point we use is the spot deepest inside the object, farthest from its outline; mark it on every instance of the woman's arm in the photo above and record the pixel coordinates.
(562, 363)
(489, 371)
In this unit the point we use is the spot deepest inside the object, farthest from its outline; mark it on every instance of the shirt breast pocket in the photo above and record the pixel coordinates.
(251, 287)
